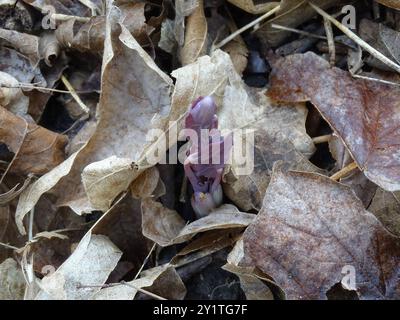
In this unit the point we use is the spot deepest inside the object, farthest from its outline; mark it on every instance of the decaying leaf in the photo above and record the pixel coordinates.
(364, 114)
(162, 280)
(159, 223)
(123, 226)
(12, 282)
(311, 229)
(364, 188)
(148, 185)
(225, 217)
(386, 207)
(254, 7)
(89, 36)
(72, 8)
(195, 36)
(381, 38)
(37, 150)
(104, 180)
(84, 272)
(11, 96)
(20, 67)
(390, 3)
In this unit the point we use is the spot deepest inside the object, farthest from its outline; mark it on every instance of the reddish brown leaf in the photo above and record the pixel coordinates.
(365, 114)
(311, 231)
(37, 149)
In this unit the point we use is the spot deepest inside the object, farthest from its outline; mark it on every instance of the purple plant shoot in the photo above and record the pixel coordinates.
(207, 156)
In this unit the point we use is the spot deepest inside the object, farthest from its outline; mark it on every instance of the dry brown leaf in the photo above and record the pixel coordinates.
(25, 43)
(183, 8)
(148, 185)
(16, 15)
(210, 239)
(195, 36)
(310, 229)
(220, 27)
(364, 114)
(4, 219)
(390, 3)
(159, 223)
(12, 282)
(12, 97)
(37, 150)
(254, 6)
(104, 180)
(382, 38)
(14, 192)
(84, 272)
(225, 217)
(20, 67)
(364, 188)
(162, 280)
(123, 226)
(72, 8)
(291, 14)
(386, 207)
(32, 194)
(88, 37)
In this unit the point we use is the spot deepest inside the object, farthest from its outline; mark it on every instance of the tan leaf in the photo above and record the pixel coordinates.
(225, 217)
(148, 184)
(311, 230)
(12, 282)
(364, 114)
(25, 43)
(104, 180)
(159, 223)
(195, 36)
(254, 7)
(81, 276)
(30, 196)
(12, 97)
(163, 281)
(386, 207)
(390, 3)
(37, 149)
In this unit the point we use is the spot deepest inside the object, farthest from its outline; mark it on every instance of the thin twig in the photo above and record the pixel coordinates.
(376, 80)
(30, 232)
(302, 32)
(8, 246)
(108, 211)
(246, 27)
(357, 39)
(322, 139)
(145, 260)
(344, 171)
(71, 89)
(122, 283)
(153, 295)
(331, 41)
